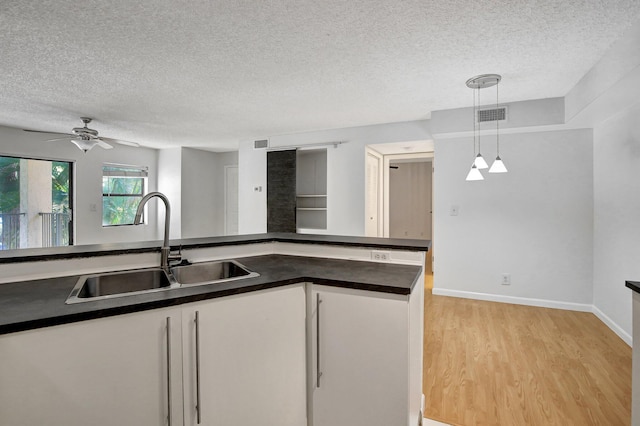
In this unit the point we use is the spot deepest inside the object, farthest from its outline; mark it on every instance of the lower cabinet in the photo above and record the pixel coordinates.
(146, 368)
(109, 371)
(244, 359)
(296, 355)
(365, 357)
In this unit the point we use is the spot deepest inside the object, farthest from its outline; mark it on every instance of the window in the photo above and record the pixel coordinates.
(35, 203)
(122, 190)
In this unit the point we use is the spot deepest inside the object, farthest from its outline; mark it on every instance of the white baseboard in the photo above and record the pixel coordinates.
(628, 339)
(541, 303)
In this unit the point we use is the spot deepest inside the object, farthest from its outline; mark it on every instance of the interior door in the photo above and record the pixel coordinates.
(281, 191)
(231, 200)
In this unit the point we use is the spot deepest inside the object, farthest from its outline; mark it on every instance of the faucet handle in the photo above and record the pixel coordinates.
(177, 257)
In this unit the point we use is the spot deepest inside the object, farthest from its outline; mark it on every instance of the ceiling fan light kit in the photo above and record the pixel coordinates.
(84, 144)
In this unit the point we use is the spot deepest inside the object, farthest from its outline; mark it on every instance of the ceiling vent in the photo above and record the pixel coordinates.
(262, 143)
(493, 114)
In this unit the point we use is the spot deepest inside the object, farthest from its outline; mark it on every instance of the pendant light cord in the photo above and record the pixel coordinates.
(497, 122)
(474, 125)
(475, 117)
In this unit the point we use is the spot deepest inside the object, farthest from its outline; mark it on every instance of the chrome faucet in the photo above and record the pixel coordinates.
(165, 251)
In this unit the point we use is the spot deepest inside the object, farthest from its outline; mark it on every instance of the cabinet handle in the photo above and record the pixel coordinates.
(169, 369)
(318, 372)
(198, 403)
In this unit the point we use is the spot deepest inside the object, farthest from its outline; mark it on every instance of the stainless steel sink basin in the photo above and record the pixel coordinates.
(211, 272)
(121, 283)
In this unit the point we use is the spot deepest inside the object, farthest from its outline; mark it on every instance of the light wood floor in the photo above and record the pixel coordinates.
(489, 363)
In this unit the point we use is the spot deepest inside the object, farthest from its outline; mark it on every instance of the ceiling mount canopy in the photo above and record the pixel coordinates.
(483, 81)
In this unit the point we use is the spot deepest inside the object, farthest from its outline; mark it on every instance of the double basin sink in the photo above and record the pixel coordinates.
(138, 281)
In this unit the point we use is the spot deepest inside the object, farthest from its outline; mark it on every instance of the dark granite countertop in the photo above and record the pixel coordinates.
(41, 303)
(70, 252)
(633, 285)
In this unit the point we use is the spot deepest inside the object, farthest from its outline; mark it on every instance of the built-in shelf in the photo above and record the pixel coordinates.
(311, 187)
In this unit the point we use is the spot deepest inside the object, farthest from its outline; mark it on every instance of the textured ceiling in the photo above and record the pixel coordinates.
(212, 73)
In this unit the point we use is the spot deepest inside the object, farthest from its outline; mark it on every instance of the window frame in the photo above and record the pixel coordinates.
(115, 170)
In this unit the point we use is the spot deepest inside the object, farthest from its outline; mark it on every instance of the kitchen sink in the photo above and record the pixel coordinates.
(121, 283)
(211, 272)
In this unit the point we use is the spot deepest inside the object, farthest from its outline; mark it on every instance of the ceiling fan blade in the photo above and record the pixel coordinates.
(58, 139)
(103, 144)
(121, 142)
(44, 131)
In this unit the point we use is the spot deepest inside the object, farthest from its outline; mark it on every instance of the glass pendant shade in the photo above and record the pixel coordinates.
(480, 162)
(474, 173)
(84, 144)
(498, 166)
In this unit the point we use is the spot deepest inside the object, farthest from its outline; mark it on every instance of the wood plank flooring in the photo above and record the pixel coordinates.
(489, 363)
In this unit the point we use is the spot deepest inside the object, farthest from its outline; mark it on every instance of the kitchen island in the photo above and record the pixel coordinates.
(319, 337)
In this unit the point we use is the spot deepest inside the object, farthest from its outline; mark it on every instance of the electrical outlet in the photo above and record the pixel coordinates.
(380, 256)
(506, 279)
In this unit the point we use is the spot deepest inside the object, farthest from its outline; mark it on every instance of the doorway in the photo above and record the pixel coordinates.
(36, 199)
(399, 193)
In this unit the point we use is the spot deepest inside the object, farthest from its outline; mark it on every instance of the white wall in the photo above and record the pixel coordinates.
(534, 222)
(616, 221)
(170, 184)
(345, 177)
(88, 181)
(202, 191)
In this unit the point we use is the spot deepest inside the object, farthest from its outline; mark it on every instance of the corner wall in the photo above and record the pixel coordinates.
(616, 221)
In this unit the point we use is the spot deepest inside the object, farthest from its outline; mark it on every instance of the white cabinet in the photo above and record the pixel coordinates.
(364, 357)
(251, 358)
(246, 353)
(109, 371)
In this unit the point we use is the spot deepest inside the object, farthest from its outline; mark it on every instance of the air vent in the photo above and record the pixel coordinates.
(263, 143)
(494, 114)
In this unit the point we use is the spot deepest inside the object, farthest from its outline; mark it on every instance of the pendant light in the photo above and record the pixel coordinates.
(498, 165)
(477, 83)
(474, 172)
(479, 161)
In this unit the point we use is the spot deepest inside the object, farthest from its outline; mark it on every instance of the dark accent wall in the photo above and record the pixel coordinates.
(281, 191)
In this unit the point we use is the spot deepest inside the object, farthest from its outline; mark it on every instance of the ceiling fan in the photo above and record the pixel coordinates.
(85, 138)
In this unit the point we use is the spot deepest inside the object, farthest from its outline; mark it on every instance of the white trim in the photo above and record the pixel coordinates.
(379, 210)
(541, 303)
(628, 339)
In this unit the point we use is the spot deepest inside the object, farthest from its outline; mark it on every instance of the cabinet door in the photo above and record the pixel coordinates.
(247, 355)
(359, 354)
(109, 371)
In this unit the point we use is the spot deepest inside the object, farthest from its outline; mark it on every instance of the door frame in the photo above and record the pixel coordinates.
(379, 202)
